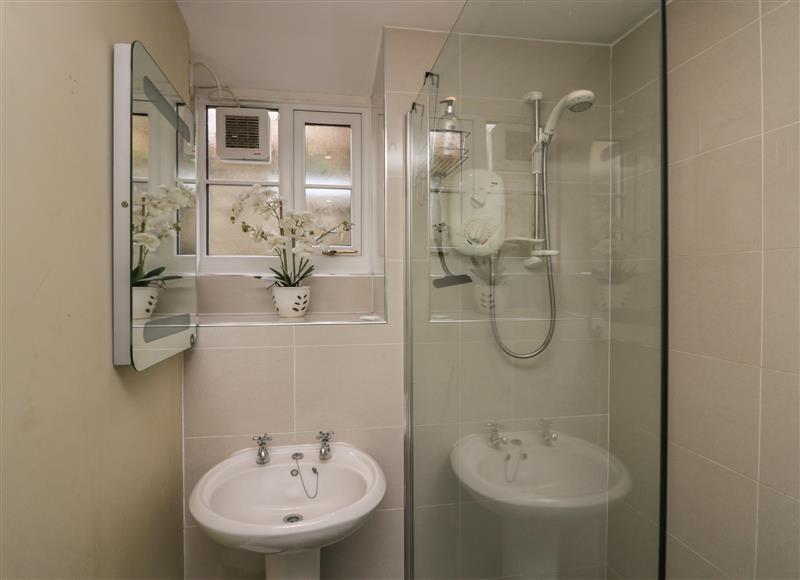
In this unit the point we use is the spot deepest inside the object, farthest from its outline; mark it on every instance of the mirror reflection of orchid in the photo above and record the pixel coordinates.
(291, 237)
(153, 220)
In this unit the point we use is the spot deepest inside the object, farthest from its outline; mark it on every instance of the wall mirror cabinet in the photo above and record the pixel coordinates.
(155, 298)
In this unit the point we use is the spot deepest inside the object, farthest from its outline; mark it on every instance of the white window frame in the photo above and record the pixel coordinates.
(291, 189)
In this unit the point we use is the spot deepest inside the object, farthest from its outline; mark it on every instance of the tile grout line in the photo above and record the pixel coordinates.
(698, 554)
(717, 43)
(294, 382)
(763, 289)
(715, 149)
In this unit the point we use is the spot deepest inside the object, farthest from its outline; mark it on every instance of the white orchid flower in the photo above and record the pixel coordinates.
(147, 240)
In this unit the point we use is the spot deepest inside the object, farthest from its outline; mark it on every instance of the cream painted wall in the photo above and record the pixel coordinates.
(91, 454)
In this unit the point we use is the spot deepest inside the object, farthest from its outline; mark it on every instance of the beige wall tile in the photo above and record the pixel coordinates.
(781, 61)
(635, 386)
(770, 5)
(714, 407)
(436, 386)
(397, 105)
(395, 224)
(632, 543)
(713, 510)
(782, 188)
(781, 310)
(778, 536)
(780, 432)
(695, 25)
(558, 67)
(436, 542)
(715, 201)
(636, 59)
(711, 103)
(684, 564)
(348, 387)
(238, 391)
(408, 54)
(704, 294)
(481, 543)
(435, 483)
(636, 132)
(374, 552)
(639, 451)
(243, 336)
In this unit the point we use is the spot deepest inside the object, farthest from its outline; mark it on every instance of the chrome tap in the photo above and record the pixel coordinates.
(325, 450)
(548, 435)
(495, 439)
(262, 457)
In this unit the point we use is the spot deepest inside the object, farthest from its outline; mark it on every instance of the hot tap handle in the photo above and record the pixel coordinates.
(262, 439)
(325, 435)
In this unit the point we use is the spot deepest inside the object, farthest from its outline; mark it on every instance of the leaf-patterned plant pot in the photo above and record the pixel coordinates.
(143, 301)
(291, 302)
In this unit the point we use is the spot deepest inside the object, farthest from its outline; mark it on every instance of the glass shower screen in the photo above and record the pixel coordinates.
(534, 177)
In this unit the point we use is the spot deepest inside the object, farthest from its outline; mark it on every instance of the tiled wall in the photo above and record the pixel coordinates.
(734, 477)
(292, 381)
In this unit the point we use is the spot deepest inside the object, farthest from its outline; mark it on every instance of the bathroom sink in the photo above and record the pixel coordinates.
(264, 508)
(524, 476)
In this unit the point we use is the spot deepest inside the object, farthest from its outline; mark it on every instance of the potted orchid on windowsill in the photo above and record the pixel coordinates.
(152, 221)
(292, 238)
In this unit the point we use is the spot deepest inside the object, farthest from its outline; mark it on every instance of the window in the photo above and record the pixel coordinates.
(315, 165)
(328, 170)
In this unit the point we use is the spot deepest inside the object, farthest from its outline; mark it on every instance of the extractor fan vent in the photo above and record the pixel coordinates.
(243, 134)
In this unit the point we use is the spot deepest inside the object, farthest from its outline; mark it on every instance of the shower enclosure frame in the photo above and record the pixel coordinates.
(408, 535)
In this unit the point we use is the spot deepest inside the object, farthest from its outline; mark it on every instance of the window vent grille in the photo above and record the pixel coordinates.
(243, 134)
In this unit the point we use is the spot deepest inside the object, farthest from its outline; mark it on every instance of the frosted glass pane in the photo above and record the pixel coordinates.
(249, 171)
(331, 207)
(140, 138)
(226, 238)
(327, 155)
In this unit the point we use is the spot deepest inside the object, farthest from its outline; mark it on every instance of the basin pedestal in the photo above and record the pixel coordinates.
(292, 566)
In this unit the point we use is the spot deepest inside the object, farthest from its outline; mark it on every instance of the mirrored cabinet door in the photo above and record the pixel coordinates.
(155, 299)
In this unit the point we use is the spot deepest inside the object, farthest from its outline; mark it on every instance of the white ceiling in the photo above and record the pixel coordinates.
(331, 46)
(317, 46)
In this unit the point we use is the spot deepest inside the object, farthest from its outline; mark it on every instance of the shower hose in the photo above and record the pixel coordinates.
(550, 282)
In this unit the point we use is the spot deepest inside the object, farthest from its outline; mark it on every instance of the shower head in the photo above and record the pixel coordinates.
(580, 100)
(576, 101)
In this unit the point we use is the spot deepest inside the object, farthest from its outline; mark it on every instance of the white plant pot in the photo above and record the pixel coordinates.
(483, 297)
(291, 302)
(143, 301)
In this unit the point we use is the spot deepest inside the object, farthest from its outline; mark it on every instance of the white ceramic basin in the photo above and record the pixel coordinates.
(243, 505)
(526, 477)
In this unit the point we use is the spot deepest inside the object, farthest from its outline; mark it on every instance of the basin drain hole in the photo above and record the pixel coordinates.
(293, 518)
